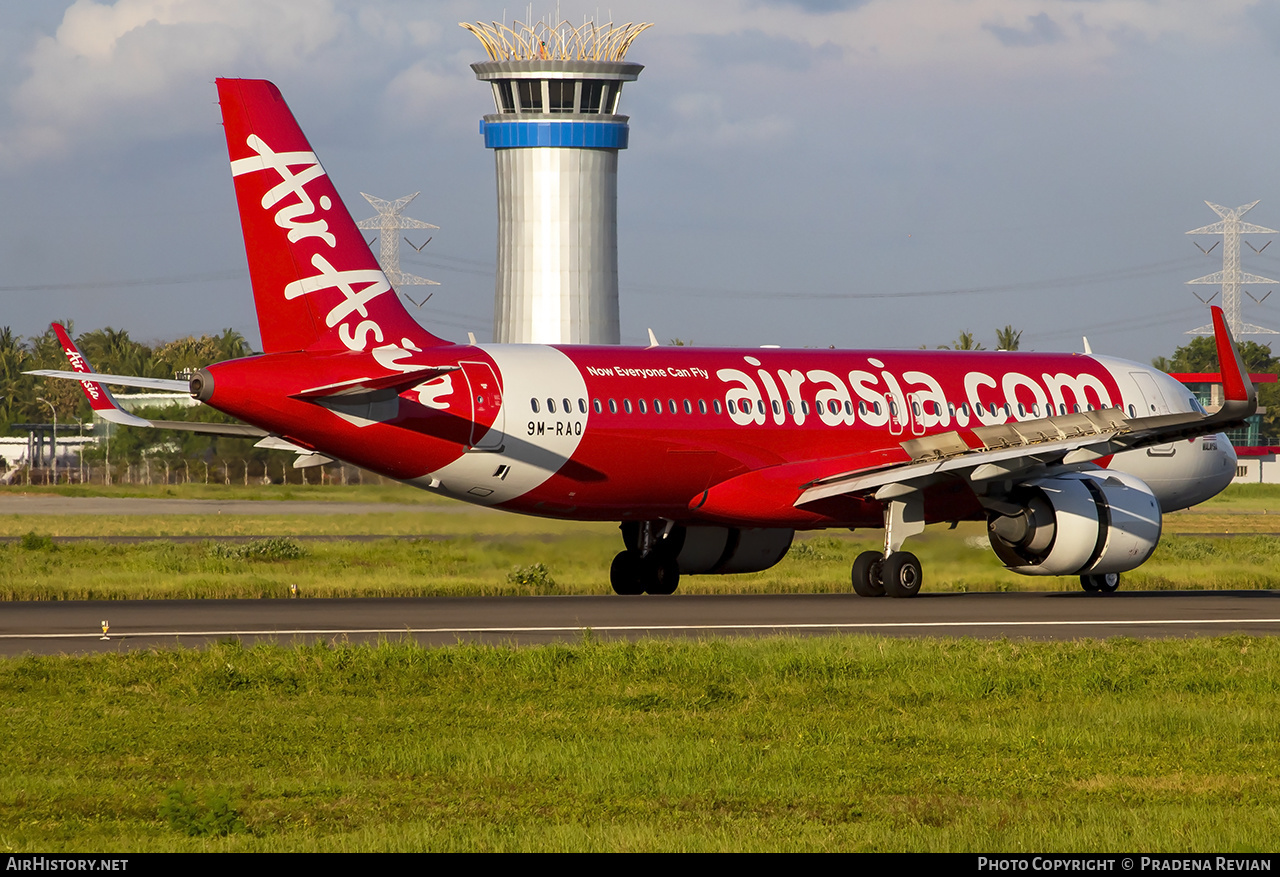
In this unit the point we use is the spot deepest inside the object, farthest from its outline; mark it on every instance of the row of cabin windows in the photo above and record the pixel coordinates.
(556, 96)
(566, 406)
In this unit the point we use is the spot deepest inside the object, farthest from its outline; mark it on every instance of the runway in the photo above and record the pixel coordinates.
(75, 627)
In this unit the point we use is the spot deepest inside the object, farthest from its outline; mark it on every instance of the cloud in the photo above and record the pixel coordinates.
(820, 7)
(1042, 31)
(757, 47)
(137, 60)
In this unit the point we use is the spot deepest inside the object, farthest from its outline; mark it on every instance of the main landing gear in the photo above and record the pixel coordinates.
(648, 565)
(898, 575)
(894, 573)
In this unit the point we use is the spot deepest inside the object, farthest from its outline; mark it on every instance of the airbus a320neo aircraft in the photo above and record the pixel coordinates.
(711, 459)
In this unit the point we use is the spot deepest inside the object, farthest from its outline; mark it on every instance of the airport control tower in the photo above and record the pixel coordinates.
(555, 137)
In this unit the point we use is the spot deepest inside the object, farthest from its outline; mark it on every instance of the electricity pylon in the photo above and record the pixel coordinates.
(1231, 277)
(389, 222)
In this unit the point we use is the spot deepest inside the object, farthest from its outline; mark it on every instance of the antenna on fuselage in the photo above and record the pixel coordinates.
(1088, 351)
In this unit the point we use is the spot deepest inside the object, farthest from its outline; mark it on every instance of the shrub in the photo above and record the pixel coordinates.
(213, 816)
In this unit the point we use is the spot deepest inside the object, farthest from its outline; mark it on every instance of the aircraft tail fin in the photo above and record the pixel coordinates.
(1238, 390)
(316, 283)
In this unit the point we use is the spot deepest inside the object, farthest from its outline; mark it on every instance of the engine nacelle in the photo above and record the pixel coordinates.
(1077, 523)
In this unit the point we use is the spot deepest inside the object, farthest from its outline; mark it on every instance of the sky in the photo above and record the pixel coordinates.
(857, 173)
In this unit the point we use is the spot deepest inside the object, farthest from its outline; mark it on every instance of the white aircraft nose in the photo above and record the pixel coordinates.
(1183, 473)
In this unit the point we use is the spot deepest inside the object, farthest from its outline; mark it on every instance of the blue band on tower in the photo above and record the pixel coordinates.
(583, 135)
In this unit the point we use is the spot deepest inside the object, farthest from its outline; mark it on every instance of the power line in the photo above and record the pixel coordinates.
(1131, 273)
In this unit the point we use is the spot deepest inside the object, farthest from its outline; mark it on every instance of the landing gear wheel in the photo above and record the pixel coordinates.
(866, 574)
(901, 574)
(625, 574)
(1106, 583)
(661, 575)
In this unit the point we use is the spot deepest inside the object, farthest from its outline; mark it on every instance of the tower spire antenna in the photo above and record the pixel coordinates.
(389, 222)
(1231, 277)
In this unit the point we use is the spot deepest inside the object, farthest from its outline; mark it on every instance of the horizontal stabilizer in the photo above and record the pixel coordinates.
(400, 382)
(164, 385)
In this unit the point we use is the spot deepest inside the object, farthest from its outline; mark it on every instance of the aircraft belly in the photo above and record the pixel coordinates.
(523, 448)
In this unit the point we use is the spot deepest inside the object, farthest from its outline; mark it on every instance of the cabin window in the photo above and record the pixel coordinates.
(1022, 412)
(760, 406)
(791, 407)
(568, 406)
(529, 92)
(893, 407)
(551, 406)
(715, 405)
(915, 408)
(502, 91)
(626, 405)
(688, 408)
(595, 404)
(777, 408)
(592, 95)
(862, 408)
(671, 405)
(702, 406)
(833, 406)
(732, 406)
(640, 406)
(657, 406)
(613, 406)
(848, 407)
(582, 406)
(560, 94)
(533, 403)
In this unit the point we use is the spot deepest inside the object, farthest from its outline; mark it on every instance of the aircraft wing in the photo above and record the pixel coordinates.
(1023, 449)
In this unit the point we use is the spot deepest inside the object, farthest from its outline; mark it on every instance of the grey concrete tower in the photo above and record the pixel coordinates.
(556, 134)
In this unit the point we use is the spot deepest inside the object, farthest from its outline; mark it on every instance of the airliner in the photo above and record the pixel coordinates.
(710, 459)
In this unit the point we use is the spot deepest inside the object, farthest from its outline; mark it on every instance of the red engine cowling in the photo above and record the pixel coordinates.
(1077, 523)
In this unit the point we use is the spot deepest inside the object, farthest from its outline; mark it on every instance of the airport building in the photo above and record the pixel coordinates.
(556, 134)
(1256, 450)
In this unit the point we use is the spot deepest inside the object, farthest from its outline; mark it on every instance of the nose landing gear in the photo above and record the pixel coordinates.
(1106, 583)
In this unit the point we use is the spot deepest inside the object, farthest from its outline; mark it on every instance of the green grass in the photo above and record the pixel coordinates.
(562, 559)
(458, 550)
(837, 743)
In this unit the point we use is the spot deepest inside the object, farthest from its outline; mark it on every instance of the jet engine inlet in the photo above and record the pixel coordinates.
(1078, 523)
